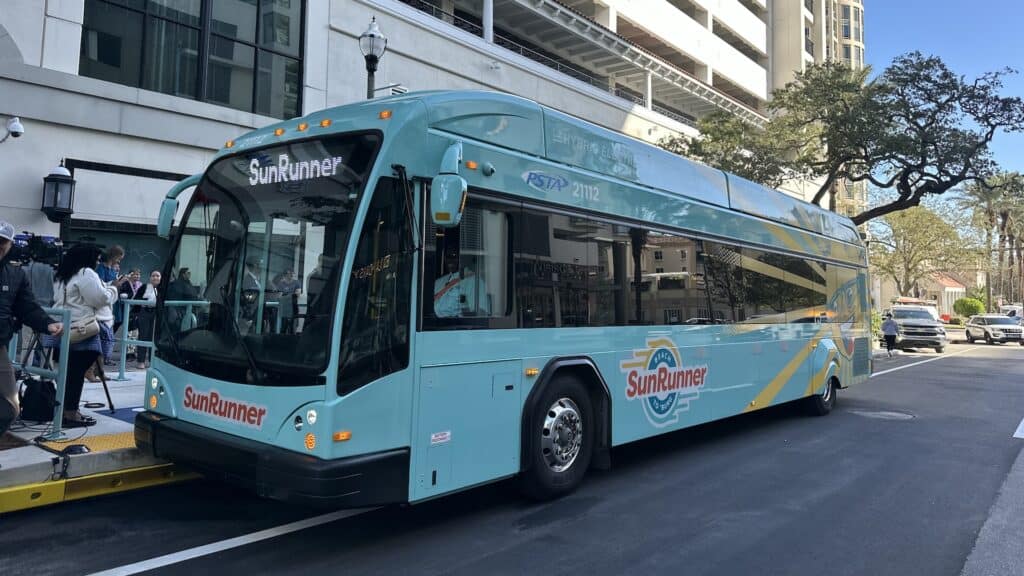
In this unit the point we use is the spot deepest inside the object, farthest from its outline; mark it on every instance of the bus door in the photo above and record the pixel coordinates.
(470, 379)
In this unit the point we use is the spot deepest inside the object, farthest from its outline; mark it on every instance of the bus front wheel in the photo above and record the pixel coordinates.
(562, 429)
(822, 404)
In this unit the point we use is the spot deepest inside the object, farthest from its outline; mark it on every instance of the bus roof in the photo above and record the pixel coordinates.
(527, 127)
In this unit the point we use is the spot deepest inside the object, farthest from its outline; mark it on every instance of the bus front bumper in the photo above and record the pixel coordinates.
(272, 472)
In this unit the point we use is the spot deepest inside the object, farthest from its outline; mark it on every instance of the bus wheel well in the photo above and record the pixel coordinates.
(585, 370)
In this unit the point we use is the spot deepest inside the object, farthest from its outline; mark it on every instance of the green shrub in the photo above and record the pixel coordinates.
(876, 324)
(967, 307)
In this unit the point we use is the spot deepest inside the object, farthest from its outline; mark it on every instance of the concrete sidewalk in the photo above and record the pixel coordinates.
(42, 472)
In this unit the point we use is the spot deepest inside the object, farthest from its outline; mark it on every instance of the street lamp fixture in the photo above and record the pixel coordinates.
(372, 44)
(58, 194)
(14, 128)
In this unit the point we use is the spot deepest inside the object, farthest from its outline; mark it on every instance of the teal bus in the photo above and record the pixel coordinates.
(398, 299)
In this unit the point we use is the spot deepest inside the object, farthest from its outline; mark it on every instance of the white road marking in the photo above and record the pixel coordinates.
(1020, 430)
(213, 548)
(939, 357)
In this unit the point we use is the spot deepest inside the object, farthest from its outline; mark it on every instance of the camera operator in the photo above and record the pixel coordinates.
(16, 301)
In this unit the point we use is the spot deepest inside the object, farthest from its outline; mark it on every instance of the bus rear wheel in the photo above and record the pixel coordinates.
(562, 430)
(822, 404)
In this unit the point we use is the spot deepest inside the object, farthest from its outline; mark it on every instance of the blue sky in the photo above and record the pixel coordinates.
(970, 37)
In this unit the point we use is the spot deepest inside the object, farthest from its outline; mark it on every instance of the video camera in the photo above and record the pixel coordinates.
(28, 246)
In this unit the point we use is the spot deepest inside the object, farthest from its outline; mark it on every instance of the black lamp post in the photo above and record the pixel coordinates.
(58, 194)
(372, 44)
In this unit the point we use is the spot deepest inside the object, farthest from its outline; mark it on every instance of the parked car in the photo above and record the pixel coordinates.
(918, 328)
(993, 328)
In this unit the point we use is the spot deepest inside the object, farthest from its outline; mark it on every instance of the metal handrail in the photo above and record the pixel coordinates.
(60, 376)
(124, 340)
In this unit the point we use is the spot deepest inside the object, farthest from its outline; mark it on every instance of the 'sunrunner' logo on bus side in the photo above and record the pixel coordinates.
(657, 377)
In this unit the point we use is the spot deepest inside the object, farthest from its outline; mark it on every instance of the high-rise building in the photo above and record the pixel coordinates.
(132, 95)
(805, 32)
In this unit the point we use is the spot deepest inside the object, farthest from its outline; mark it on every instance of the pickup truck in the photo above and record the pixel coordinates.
(918, 328)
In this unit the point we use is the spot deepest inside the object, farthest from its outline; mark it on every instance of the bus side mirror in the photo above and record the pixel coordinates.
(448, 190)
(168, 209)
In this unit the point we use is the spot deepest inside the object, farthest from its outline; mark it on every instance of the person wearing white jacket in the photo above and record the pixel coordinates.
(79, 289)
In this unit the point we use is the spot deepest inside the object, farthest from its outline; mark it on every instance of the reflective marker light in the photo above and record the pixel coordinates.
(531, 372)
(279, 132)
(325, 123)
(303, 126)
(152, 402)
(310, 441)
(229, 144)
(471, 165)
(384, 114)
(342, 436)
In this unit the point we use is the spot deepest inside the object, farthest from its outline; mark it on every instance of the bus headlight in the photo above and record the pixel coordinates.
(154, 383)
(311, 417)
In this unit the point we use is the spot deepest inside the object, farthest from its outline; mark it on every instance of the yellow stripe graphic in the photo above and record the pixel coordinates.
(769, 393)
(819, 377)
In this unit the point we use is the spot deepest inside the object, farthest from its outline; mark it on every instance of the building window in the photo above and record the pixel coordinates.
(846, 54)
(244, 54)
(659, 270)
(658, 255)
(846, 22)
(856, 24)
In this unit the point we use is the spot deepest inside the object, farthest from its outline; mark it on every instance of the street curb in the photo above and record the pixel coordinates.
(998, 548)
(16, 498)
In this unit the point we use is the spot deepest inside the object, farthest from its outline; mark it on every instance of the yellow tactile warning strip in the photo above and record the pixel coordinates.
(45, 493)
(100, 443)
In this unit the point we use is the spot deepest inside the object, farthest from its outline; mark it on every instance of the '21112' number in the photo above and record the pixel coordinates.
(587, 192)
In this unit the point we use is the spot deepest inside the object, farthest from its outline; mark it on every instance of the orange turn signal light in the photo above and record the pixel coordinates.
(152, 402)
(471, 165)
(531, 372)
(310, 441)
(384, 114)
(342, 436)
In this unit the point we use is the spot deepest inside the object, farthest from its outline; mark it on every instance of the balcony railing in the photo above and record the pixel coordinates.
(576, 72)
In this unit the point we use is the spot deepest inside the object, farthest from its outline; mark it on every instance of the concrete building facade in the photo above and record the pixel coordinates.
(133, 95)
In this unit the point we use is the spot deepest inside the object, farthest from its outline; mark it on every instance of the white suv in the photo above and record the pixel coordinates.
(993, 328)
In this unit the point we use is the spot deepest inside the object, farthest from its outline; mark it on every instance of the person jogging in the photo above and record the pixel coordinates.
(890, 330)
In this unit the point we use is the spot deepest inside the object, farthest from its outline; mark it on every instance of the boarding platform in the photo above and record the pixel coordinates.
(42, 464)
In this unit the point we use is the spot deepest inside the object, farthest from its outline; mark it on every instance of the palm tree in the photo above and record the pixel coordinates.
(985, 199)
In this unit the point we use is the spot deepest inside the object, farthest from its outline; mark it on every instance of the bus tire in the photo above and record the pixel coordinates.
(563, 427)
(822, 404)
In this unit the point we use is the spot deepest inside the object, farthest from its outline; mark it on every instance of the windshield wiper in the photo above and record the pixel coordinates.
(162, 313)
(257, 376)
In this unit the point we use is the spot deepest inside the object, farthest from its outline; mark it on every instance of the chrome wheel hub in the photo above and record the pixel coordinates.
(562, 435)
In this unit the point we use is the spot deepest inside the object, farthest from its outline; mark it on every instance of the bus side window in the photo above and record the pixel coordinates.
(467, 277)
(375, 330)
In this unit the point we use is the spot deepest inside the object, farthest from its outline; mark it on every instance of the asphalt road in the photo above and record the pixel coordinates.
(899, 479)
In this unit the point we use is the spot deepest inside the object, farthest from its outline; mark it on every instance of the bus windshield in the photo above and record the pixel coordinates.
(255, 269)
